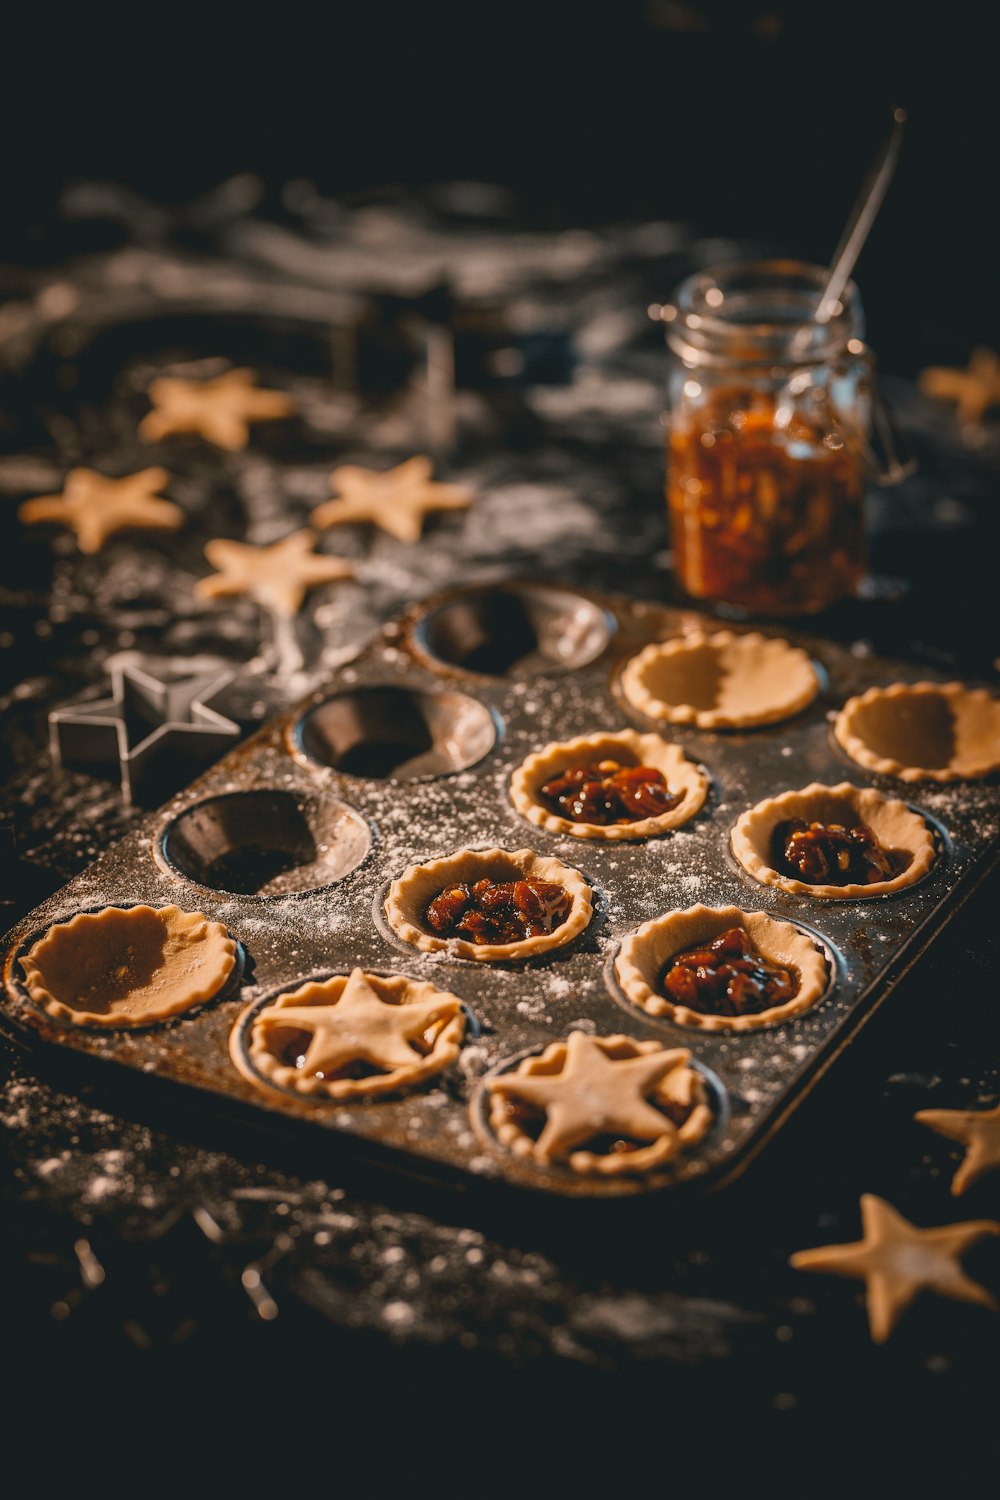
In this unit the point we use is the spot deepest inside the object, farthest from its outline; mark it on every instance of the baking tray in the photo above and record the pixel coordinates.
(485, 676)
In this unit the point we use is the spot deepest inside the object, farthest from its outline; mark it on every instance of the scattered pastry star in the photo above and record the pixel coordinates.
(360, 1027)
(278, 577)
(594, 1095)
(220, 410)
(396, 500)
(978, 1130)
(896, 1261)
(973, 390)
(95, 507)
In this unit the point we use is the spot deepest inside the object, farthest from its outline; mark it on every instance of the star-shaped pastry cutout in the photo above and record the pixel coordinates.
(156, 729)
(896, 1260)
(594, 1094)
(220, 410)
(396, 500)
(978, 1130)
(278, 577)
(360, 1027)
(973, 390)
(95, 507)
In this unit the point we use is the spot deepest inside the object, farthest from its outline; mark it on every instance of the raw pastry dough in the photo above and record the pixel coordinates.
(720, 681)
(397, 500)
(404, 1030)
(278, 577)
(588, 1086)
(896, 827)
(128, 966)
(978, 1130)
(219, 410)
(96, 507)
(646, 952)
(629, 749)
(411, 894)
(923, 731)
(896, 1261)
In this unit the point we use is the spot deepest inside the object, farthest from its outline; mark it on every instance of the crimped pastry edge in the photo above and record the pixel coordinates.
(907, 829)
(590, 1163)
(412, 891)
(640, 697)
(649, 749)
(854, 744)
(259, 1067)
(683, 928)
(214, 932)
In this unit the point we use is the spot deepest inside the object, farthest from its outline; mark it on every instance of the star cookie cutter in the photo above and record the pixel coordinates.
(158, 727)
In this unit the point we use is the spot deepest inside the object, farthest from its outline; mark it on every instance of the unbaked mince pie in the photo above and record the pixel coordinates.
(834, 841)
(923, 731)
(128, 966)
(721, 968)
(352, 1036)
(489, 904)
(720, 680)
(612, 786)
(603, 1105)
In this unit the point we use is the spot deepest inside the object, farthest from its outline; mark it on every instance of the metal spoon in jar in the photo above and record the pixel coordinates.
(856, 230)
(896, 461)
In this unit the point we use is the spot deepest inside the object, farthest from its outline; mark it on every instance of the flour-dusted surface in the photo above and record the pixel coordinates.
(137, 1221)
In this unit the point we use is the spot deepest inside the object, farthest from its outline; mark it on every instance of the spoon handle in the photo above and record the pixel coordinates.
(862, 217)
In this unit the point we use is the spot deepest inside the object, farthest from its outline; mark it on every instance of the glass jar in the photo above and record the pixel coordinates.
(768, 451)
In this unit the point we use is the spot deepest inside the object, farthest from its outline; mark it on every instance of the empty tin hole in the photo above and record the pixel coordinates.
(501, 631)
(266, 843)
(381, 732)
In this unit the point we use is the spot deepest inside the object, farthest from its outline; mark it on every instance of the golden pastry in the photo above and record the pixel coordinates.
(896, 1261)
(720, 680)
(219, 410)
(728, 989)
(351, 1037)
(96, 507)
(489, 904)
(128, 966)
(396, 500)
(922, 731)
(549, 789)
(277, 577)
(834, 842)
(563, 1104)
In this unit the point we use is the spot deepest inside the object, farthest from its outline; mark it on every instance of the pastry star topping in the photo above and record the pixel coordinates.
(397, 500)
(360, 1027)
(95, 507)
(594, 1095)
(278, 577)
(973, 390)
(978, 1130)
(220, 410)
(896, 1261)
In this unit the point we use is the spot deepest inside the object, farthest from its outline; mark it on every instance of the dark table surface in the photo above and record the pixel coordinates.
(130, 1223)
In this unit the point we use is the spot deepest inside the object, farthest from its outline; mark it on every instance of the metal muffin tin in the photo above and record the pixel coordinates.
(408, 755)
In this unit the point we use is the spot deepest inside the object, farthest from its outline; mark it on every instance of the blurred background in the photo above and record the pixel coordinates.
(749, 119)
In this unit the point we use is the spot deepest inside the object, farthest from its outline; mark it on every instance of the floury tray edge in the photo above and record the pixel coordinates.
(454, 697)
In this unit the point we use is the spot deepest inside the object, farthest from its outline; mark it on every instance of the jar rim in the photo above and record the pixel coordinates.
(699, 329)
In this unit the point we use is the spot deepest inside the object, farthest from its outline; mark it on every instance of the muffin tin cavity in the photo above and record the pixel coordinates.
(267, 842)
(513, 631)
(394, 732)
